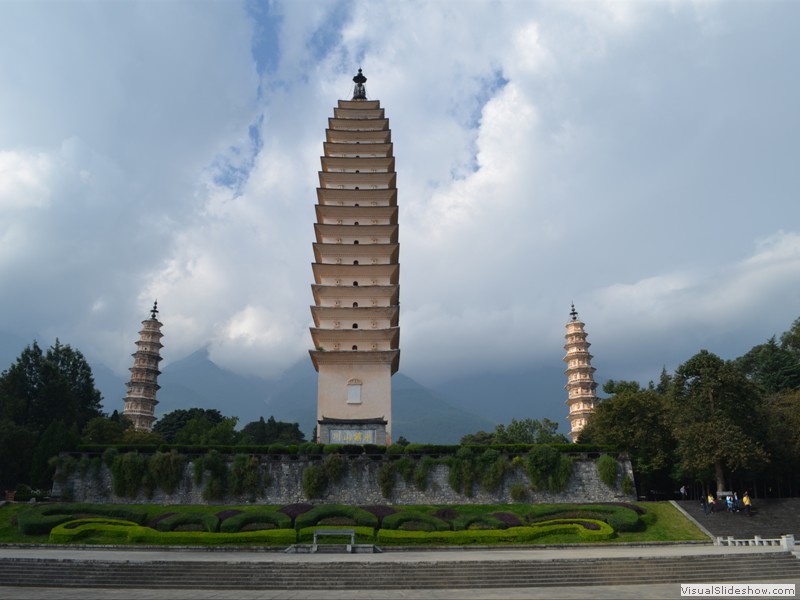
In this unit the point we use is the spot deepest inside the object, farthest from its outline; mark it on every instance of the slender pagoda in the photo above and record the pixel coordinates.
(140, 401)
(580, 376)
(356, 269)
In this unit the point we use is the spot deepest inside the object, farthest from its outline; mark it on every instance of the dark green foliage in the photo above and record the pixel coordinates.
(519, 492)
(462, 472)
(214, 466)
(405, 467)
(208, 521)
(245, 477)
(171, 424)
(624, 520)
(311, 448)
(271, 432)
(547, 469)
(397, 520)
(127, 472)
(167, 470)
(421, 471)
(627, 485)
(493, 467)
(41, 519)
(484, 521)
(335, 467)
(386, 475)
(234, 524)
(359, 516)
(314, 481)
(109, 454)
(607, 467)
(63, 466)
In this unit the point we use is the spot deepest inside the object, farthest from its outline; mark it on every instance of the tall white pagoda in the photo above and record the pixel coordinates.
(140, 401)
(581, 386)
(356, 269)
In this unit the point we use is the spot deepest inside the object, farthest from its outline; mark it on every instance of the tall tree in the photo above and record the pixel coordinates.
(714, 411)
(635, 421)
(173, 422)
(40, 388)
(773, 368)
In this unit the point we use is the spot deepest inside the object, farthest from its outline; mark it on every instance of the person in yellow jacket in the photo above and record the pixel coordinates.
(747, 504)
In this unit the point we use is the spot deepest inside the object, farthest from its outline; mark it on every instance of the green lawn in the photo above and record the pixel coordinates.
(659, 522)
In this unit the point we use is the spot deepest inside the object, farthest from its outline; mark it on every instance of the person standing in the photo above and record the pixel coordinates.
(747, 503)
(683, 492)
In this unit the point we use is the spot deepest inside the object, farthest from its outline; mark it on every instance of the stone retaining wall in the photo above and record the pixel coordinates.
(358, 486)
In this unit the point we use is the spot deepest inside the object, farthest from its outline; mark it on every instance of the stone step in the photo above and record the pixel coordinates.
(389, 575)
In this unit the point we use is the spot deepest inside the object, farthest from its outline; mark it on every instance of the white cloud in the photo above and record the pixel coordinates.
(626, 156)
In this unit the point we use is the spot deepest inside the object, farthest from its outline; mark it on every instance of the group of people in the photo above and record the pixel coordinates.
(732, 503)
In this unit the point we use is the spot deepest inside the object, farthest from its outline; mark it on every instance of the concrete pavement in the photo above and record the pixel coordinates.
(549, 553)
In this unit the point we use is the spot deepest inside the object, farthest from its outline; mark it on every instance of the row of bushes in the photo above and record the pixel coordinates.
(39, 520)
(128, 531)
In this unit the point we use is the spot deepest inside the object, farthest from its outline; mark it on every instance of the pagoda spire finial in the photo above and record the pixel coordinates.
(573, 313)
(359, 91)
(154, 310)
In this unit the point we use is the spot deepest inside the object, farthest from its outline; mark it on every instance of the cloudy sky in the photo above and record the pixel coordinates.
(640, 159)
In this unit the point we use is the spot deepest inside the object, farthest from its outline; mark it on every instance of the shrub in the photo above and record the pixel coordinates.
(462, 472)
(214, 464)
(314, 481)
(167, 469)
(269, 537)
(295, 510)
(235, 523)
(627, 485)
(624, 520)
(311, 448)
(335, 466)
(519, 492)
(380, 511)
(109, 454)
(245, 476)
(548, 469)
(397, 520)
(64, 466)
(405, 466)
(72, 531)
(360, 516)
(421, 472)
(386, 475)
(513, 535)
(468, 521)
(494, 466)
(607, 468)
(209, 521)
(127, 472)
(39, 520)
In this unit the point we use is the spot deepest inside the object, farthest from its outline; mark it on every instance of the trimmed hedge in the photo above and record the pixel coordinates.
(361, 517)
(72, 531)
(464, 522)
(41, 519)
(208, 521)
(396, 520)
(267, 537)
(512, 535)
(235, 523)
(364, 535)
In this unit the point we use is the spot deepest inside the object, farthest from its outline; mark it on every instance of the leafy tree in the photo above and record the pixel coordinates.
(40, 388)
(635, 421)
(715, 417)
(105, 430)
(481, 438)
(773, 368)
(790, 340)
(782, 416)
(263, 432)
(46, 398)
(529, 431)
(170, 424)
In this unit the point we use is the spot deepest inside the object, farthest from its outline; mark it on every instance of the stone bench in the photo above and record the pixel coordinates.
(337, 532)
